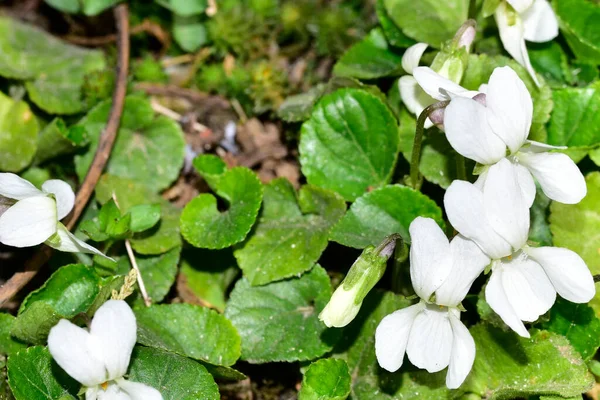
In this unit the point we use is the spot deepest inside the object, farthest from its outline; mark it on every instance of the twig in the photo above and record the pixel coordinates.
(107, 139)
(167, 112)
(191, 95)
(146, 26)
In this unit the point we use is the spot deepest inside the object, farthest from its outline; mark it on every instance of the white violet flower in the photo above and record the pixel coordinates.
(32, 215)
(99, 359)
(431, 332)
(520, 20)
(524, 279)
(498, 130)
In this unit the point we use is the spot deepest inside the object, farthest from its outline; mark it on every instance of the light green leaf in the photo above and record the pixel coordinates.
(184, 7)
(350, 143)
(176, 377)
(380, 213)
(144, 217)
(394, 35)
(54, 71)
(18, 133)
(35, 323)
(68, 6)
(206, 335)
(428, 21)
(279, 321)
(189, 32)
(95, 7)
(56, 139)
(203, 225)
(8, 344)
(33, 375)
(369, 59)
(578, 23)
(327, 379)
(291, 233)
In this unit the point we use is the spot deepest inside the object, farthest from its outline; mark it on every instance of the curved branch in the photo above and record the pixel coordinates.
(105, 145)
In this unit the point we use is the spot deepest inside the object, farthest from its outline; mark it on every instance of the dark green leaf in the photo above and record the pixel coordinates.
(56, 139)
(549, 60)
(8, 344)
(394, 35)
(578, 23)
(34, 324)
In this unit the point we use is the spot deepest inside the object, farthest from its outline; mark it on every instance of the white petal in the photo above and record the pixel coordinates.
(17, 188)
(567, 272)
(139, 391)
(435, 84)
(462, 355)
(430, 259)
(539, 22)
(391, 336)
(413, 97)
(430, 340)
(512, 38)
(496, 298)
(69, 243)
(411, 57)
(520, 5)
(560, 178)
(526, 183)
(464, 206)
(65, 197)
(505, 208)
(342, 307)
(115, 328)
(469, 133)
(527, 288)
(112, 392)
(468, 263)
(509, 107)
(92, 393)
(28, 222)
(73, 349)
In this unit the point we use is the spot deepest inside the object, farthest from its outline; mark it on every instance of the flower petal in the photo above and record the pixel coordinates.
(391, 336)
(509, 107)
(430, 259)
(560, 178)
(512, 37)
(468, 263)
(17, 188)
(139, 391)
(435, 84)
(411, 57)
(520, 5)
(92, 393)
(413, 97)
(462, 355)
(342, 308)
(67, 242)
(464, 206)
(526, 183)
(115, 328)
(539, 22)
(28, 222)
(112, 392)
(567, 271)
(430, 340)
(527, 288)
(505, 208)
(469, 133)
(496, 298)
(65, 197)
(73, 349)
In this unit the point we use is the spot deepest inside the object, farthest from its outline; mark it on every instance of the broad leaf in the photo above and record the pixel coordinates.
(327, 379)
(394, 35)
(577, 20)
(550, 61)
(18, 134)
(8, 344)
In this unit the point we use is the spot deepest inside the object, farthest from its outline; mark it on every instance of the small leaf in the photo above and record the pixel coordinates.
(144, 217)
(95, 7)
(279, 321)
(56, 139)
(291, 233)
(394, 35)
(192, 331)
(377, 214)
(189, 32)
(18, 133)
(577, 22)
(298, 107)
(350, 143)
(327, 379)
(33, 375)
(184, 7)
(539, 231)
(8, 344)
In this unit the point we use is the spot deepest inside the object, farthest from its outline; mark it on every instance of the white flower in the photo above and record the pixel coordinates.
(499, 130)
(524, 279)
(99, 359)
(520, 20)
(33, 215)
(342, 307)
(430, 332)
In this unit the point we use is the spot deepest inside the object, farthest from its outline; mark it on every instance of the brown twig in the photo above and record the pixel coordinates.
(190, 95)
(107, 139)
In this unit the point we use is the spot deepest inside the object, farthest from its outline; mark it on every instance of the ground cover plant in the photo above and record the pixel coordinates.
(278, 199)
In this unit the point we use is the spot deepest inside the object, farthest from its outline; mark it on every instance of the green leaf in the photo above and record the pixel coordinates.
(184, 7)
(144, 217)
(508, 366)
(327, 379)
(291, 233)
(18, 133)
(54, 71)
(575, 117)
(8, 344)
(380, 213)
(298, 107)
(539, 231)
(33, 325)
(578, 323)
(203, 225)
(489, 7)
(577, 20)
(148, 150)
(279, 321)
(189, 32)
(350, 143)
(394, 35)
(33, 375)
(206, 335)
(428, 21)
(549, 60)
(369, 59)
(176, 377)
(56, 139)
(577, 227)
(68, 6)
(95, 7)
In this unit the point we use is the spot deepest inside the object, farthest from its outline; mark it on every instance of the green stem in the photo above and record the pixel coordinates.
(472, 9)
(461, 171)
